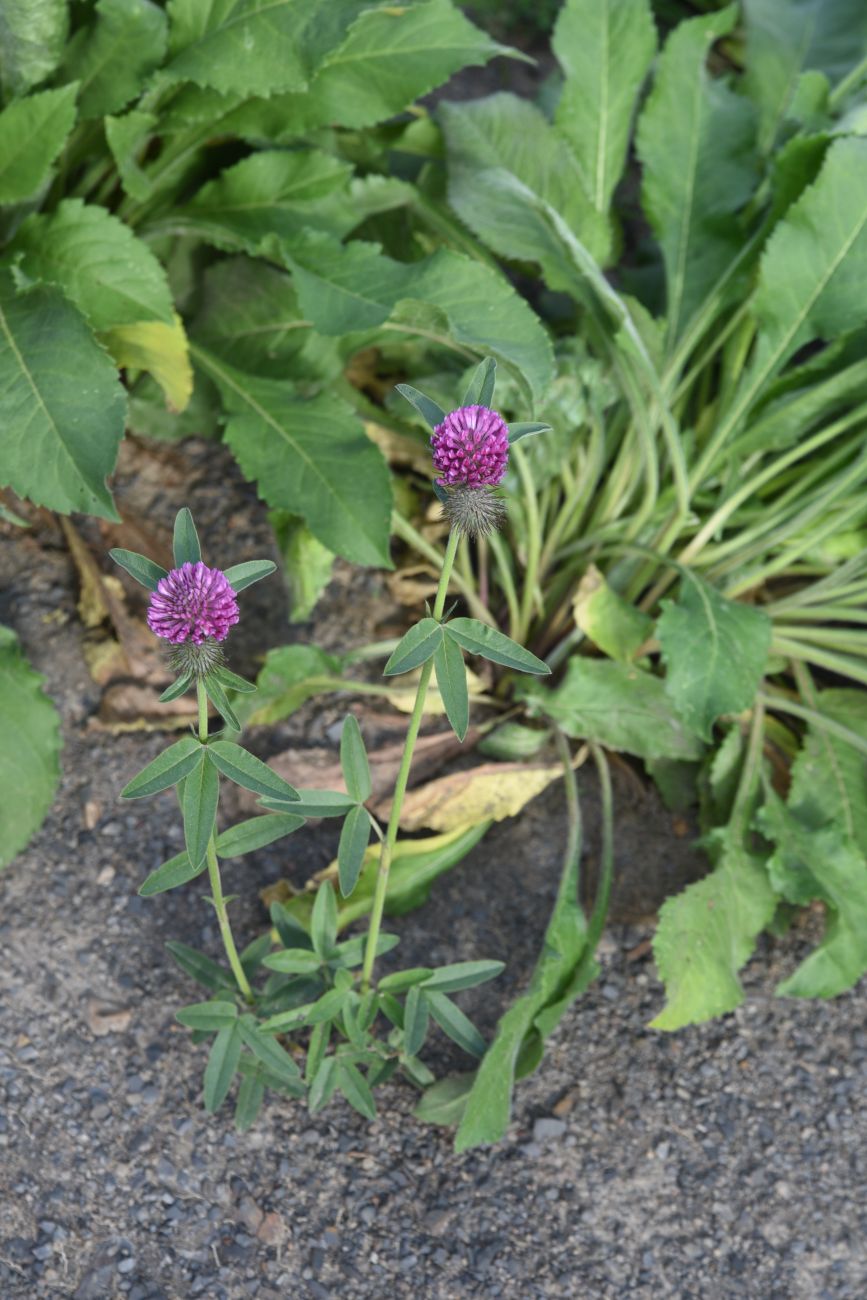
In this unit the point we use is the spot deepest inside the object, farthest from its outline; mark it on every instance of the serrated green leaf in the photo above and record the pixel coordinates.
(255, 833)
(462, 975)
(161, 350)
(59, 433)
(480, 639)
(185, 541)
(311, 457)
(241, 576)
(419, 644)
(139, 567)
(29, 749)
(354, 838)
(307, 564)
(323, 924)
(621, 707)
(201, 794)
(177, 871)
(127, 138)
(249, 772)
(32, 33)
(221, 1067)
(451, 677)
(32, 133)
(829, 776)
(715, 651)
(210, 1016)
(201, 968)
(605, 48)
(453, 1022)
(110, 275)
(353, 760)
(696, 141)
(239, 47)
(169, 767)
(112, 59)
(426, 407)
(706, 934)
(415, 1021)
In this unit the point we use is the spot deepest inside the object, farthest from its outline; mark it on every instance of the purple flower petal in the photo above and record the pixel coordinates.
(192, 603)
(471, 447)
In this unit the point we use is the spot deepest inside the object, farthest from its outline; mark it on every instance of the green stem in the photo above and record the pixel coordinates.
(403, 775)
(214, 872)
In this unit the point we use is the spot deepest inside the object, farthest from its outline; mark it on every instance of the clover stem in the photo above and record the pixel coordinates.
(387, 849)
(214, 873)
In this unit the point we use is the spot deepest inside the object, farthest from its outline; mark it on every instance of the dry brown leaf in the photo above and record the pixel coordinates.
(105, 660)
(399, 448)
(106, 1018)
(127, 706)
(492, 791)
(413, 585)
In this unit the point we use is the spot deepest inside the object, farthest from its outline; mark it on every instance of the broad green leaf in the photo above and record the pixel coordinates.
(209, 1016)
(32, 133)
(480, 639)
(451, 676)
(605, 48)
(453, 1022)
(808, 864)
(255, 833)
(112, 59)
(243, 47)
(221, 1067)
(110, 275)
(251, 1094)
(347, 287)
(267, 1050)
(505, 136)
(311, 457)
(169, 767)
(247, 771)
(308, 564)
(201, 968)
(32, 33)
(696, 143)
(707, 933)
(415, 1021)
(61, 406)
(622, 708)
(241, 576)
(785, 37)
(616, 627)
(139, 567)
(829, 777)
(715, 651)
(353, 760)
(127, 138)
(29, 749)
(813, 274)
(315, 803)
(201, 793)
(185, 540)
(354, 838)
(418, 645)
(290, 675)
(176, 871)
(323, 924)
(160, 349)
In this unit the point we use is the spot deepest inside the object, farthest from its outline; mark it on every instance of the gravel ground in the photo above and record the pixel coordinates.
(724, 1161)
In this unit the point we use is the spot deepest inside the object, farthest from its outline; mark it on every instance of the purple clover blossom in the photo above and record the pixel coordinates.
(193, 603)
(471, 448)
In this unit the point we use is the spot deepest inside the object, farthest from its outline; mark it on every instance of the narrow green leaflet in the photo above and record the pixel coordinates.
(454, 1023)
(294, 961)
(353, 760)
(29, 749)
(451, 678)
(462, 975)
(59, 433)
(315, 803)
(139, 567)
(220, 701)
(426, 407)
(323, 1084)
(110, 275)
(232, 682)
(251, 1094)
(255, 833)
(32, 133)
(605, 48)
(829, 777)
(480, 639)
(169, 767)
(222, 1065)
(209, 1016)
(480, 391)
(696, 141)
(185, 540)
(416, 1018)
(715, 651)
(112, 59)
(354, 838)
(621, 707)
(242, 47)
(177, 871)
(201, 793)
(707, 933)
(268, 1051)
(354, 1087)
(418, 645)
(323, 924)
(241, 576)
(32, 33)
(247, 771)
(201, 968)
(311, 457)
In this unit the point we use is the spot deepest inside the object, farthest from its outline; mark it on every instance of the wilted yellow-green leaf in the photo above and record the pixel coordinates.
(491, 792)
(611, 623)
(161, 350)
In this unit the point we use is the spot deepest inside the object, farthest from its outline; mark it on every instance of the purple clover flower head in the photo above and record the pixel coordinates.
(193, 603)
(471, 448)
